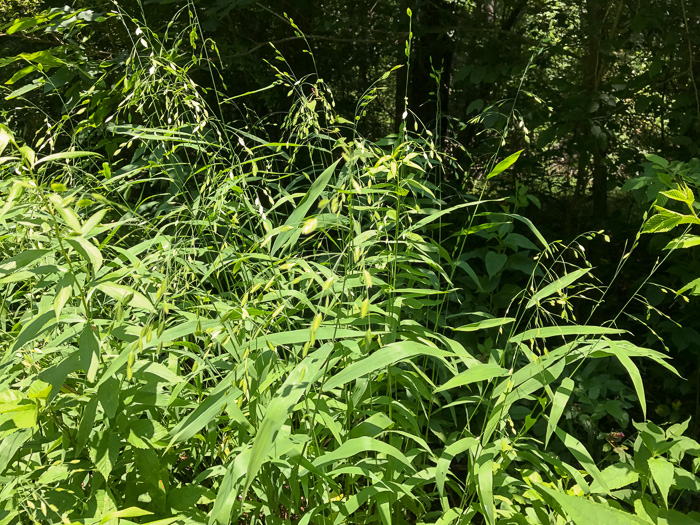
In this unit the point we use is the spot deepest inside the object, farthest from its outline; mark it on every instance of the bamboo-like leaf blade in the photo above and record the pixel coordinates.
(480, 372)
(561, 398)
(504, 164)
(557, 286)
(390, 354)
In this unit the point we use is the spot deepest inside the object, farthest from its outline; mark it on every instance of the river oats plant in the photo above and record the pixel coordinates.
(204, 323)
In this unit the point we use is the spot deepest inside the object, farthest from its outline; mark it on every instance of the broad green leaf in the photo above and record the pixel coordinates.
(108, 397)
(484, 486)
(66, 213)
(130, 512)
(583, 457)
(86, 425)
(119, 292)
(11, 444)
(521, 384)
(372, 426)
(663, 474)
(443, 464)
(494, 263)
(631, 350)
(205, 413)
(22, 260)
(21, 24)
(145, 433)
(504, 164)
(532, 227)
(229, 489)
(64, 290)
(22, 412)
(44, 57)
(479, 372)
(15, 193)
(299, 213)
(616, 476)
(561, 398)
(682, 194)
(39, 390)
(87, 250)
(20, 75)
(361, 445)
(587, 512)
(560, 331)
(665, 220)
(682, 242)
(23, 90)
(65, 155)
(633, 371)
(291, 337)
(656, 160)
(557, 286)
(32, 330)
(93, 222)
(380, 359)
(437, 214)
(89, 346)
(281, 407)
(105, 451)
(5, 138)
(482, 325)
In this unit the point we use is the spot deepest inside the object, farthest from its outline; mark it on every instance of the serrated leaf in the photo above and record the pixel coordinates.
(662, 472)
(586, 512)
(661, 223)
(678, 195)
(683, 242)
(105, 452)
(616, 476)
(495, 262)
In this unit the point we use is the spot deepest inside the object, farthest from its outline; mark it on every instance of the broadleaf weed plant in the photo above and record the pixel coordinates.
(206, 324)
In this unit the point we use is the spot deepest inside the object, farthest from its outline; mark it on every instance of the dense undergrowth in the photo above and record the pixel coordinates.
(204, 323)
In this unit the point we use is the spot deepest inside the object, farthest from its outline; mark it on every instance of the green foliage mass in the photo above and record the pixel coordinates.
(211, 320)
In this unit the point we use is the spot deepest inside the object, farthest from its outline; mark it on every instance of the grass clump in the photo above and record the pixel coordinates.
(205, 323)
